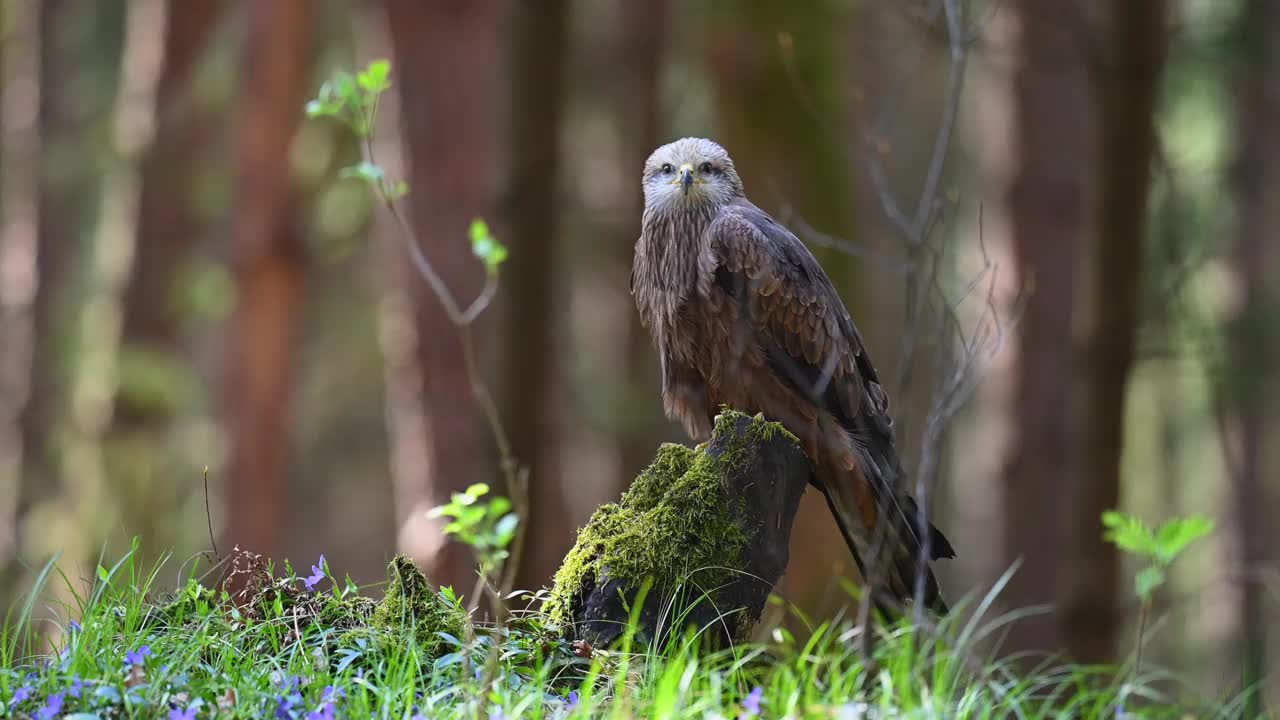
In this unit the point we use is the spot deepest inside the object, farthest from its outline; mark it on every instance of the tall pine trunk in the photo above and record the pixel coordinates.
(1046, 200)
(167, 226)
(447, 70)
(19, 253)
(642, 32)
(532, 389)
(1133, 48)
(154, 365)
(269, 266)
(1248, 391)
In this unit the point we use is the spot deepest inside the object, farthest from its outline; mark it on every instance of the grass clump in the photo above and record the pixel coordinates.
(412, 604)
(114, 652)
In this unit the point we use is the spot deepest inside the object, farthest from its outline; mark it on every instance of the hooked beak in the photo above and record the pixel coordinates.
(686, 177)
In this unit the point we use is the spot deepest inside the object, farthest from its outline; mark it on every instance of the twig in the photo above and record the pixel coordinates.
(208, 516)
(514, 475)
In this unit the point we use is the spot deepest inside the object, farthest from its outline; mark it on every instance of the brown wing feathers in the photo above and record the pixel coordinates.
(810, 344)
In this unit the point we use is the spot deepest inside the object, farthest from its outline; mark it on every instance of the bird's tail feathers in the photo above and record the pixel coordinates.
(884, 532)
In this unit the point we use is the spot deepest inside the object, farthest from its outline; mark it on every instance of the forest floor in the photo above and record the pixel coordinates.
(272, 643)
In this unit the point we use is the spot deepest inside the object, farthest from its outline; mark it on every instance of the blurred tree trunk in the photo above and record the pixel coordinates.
(167, 228)
(19, 179)
(1133, 47)
(154, 368)
(449, 123)
(81, 46)
(1251, 377)
(782, 111)
(641, 34)
(61, 215)
(269, 267)
(532, 389)
(1046, 200)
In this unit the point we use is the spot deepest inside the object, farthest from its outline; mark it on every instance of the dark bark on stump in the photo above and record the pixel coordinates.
(751, 475)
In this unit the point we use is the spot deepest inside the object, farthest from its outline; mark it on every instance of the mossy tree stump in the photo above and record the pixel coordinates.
(706, 529)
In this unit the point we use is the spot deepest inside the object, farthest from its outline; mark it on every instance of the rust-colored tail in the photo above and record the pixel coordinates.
(888, 539)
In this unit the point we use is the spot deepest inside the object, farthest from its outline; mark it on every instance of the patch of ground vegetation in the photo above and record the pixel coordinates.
(272, 643)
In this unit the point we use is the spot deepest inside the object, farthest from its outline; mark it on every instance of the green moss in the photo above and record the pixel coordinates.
(677, 519)
(351, 611)
(412, 603)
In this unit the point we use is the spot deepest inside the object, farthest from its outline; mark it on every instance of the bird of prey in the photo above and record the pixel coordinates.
(743, 315)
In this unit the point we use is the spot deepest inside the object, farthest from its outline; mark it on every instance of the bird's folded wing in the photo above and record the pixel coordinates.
(797, 318)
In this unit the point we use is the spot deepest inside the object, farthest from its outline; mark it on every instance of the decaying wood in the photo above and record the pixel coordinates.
(756, 472)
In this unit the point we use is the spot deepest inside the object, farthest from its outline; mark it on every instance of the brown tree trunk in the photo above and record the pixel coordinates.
(1046, 200)
(167, 228)
(641, 42)
(270, 268)
(154, 366)
(1253, 337)
(57, 218)
(1133, 49)
(19, 279)
(532, 389)
(449, 127)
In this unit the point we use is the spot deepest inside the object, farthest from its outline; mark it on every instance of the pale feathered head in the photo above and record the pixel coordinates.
(688, 174)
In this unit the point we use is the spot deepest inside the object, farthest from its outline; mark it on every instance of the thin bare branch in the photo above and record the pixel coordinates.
(514, 474)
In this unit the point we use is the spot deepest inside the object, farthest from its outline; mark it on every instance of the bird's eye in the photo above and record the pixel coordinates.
(667, 169)
(705, 168)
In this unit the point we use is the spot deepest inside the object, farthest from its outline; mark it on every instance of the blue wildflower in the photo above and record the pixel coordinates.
(573, 700)
(75, 626)
(180, 714)
(20, 695)
(317, 574)
(286, 703)
(77, 686)
(139, 656)
(751, 703)
(289, 698)
(324, 712)
(52, 707)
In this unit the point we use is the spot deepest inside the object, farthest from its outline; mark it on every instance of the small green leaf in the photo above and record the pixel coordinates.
(367, 171)
(448, 660)
(1176, 534)
(395, 190)
(498, 506)
(102, 573)
(449, 638)
(1147, 580)
(316, 108)
(373, 79)
(345, 88)
(486, 247)
(505, 529)
(1128, 533)
(477, 490)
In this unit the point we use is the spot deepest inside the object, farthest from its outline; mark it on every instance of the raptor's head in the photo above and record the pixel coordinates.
(688, 174)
